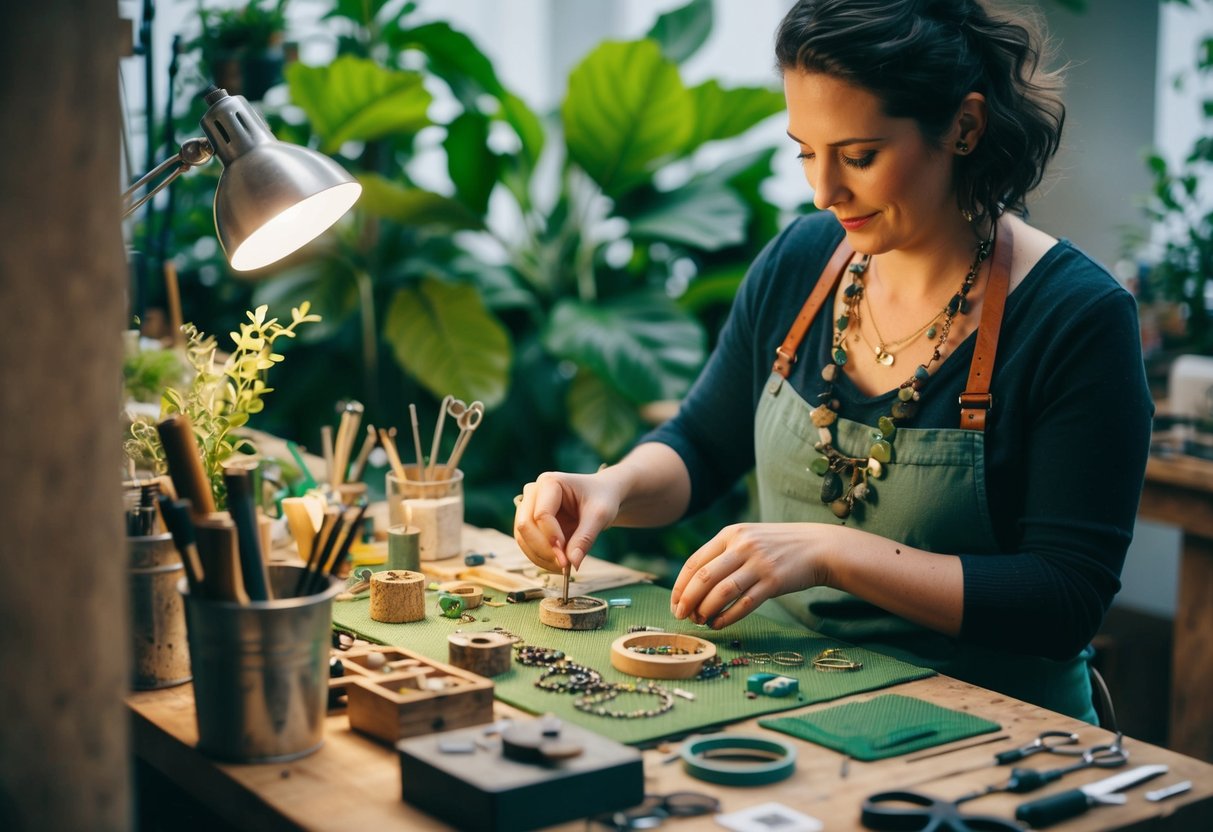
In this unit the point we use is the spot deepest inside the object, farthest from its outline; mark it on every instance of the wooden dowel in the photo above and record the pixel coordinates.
(326, 442)
(417, 442)
(185, 464)
(216, 536)
(364, 453)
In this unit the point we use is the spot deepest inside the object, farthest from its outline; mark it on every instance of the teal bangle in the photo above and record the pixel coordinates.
(716, 760)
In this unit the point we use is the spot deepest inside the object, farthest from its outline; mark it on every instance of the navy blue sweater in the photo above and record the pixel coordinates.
(1066, 442)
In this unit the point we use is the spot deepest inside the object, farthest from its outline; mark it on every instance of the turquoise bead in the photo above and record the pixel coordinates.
(842, 322)
(921, 373)
(840, 356)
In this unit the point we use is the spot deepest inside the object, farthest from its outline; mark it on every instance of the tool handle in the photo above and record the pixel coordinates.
(1053, 809)
(1012, 756)
(241, 505)
(1024, 780)
(185, 464)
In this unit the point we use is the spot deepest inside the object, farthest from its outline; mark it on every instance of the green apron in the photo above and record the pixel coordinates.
(932, 497)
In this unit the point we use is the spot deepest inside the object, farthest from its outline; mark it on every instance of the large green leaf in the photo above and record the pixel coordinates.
(471, 165)
(526, 124)
(363, 12)
(643, 345)
(718, 287)
(626, 113)
(723, 113)
(700, 215)
(354, 99)
(452, 55)
(682, 31)
(413, 206)
(604, 419)
(442, 334)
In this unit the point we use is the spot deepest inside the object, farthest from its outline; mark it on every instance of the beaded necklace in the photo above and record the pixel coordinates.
(845, 478)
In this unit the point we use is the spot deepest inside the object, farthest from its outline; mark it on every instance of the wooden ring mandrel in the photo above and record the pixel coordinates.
(471, 594)
(485, 654)
(581, 612)
(683, 665)
(397, 596)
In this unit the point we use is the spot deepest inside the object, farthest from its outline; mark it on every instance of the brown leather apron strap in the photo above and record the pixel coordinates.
(785, 354)
(976, 400)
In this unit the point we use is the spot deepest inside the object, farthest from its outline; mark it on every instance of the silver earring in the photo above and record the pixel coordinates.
(962, 147)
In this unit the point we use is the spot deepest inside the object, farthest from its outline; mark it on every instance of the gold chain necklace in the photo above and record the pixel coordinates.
(884, 351)
(845, 479)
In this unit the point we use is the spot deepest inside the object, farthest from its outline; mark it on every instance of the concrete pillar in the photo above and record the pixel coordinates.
(63, 625)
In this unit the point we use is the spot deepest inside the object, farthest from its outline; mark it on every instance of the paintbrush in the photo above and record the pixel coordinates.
(320, 550)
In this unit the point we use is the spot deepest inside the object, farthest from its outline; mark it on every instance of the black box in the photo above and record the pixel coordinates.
(475, 787)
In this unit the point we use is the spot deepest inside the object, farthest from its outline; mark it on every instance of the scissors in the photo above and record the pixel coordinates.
(920, 812)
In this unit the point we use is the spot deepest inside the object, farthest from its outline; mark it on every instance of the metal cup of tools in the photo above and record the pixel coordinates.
(261, 670)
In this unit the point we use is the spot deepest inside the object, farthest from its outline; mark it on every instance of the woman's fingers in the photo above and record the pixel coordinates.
(535, 527)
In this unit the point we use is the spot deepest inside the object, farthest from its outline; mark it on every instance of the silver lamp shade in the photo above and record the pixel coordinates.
(272, 197)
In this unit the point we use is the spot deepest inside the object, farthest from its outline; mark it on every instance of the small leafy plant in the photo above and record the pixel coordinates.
(220, 400)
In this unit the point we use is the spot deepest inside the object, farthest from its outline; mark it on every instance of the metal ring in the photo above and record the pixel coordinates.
(788, 658)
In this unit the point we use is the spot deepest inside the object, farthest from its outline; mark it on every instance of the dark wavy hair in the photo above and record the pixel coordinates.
(920, 58)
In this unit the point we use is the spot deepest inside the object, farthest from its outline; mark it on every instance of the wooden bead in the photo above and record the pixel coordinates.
(486, 654)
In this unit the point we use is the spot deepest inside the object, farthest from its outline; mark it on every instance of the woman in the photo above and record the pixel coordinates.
(987, 540)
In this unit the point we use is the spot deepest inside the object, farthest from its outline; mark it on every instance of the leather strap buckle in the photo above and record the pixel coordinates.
(976, 401)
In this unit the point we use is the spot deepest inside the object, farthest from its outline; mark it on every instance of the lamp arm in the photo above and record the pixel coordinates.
(194, 152)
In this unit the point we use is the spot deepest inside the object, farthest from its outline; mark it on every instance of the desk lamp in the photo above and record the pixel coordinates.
(272, 198)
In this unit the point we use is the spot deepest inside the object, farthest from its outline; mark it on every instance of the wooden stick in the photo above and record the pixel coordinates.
(436, 445)
(176, 514)
(326, 442)
(364, 453)
(388, 439)
(417, 442)
(185, 464)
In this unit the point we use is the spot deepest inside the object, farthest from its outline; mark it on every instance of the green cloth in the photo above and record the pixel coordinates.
(717, 701)
(883, 726)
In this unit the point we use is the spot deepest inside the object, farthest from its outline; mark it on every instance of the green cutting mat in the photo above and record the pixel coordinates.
(717, 701)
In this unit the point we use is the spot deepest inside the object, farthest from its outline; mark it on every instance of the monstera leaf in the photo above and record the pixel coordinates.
(643, 345)
(682, 31)
(626, 113)
(354, 99)
(442, 334)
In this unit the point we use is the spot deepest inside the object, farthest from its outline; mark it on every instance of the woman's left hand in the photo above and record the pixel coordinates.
(743, 566)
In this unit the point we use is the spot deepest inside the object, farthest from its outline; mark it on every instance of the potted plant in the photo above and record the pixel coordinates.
(222, 396)
(242, 48)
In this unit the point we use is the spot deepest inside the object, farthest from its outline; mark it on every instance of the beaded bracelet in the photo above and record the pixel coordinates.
(592, 703)
(788, 658)
(581, 679)
(663, 650)
(535, 656)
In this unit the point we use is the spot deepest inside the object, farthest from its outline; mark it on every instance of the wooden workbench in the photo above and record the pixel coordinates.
(1179, 491)
(353, 782)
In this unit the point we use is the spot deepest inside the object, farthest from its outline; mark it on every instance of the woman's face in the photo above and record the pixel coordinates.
(888, 186)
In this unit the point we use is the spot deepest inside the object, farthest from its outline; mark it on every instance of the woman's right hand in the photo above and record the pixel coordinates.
(561, 515)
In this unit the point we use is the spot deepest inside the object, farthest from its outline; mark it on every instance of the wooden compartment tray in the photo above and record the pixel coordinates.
(410, 694)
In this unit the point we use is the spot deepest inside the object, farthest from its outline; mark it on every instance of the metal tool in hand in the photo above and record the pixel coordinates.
(468, 421)
(1069, 804)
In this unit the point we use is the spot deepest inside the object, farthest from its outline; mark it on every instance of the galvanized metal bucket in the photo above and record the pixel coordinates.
(159, 651)
(261, 671)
